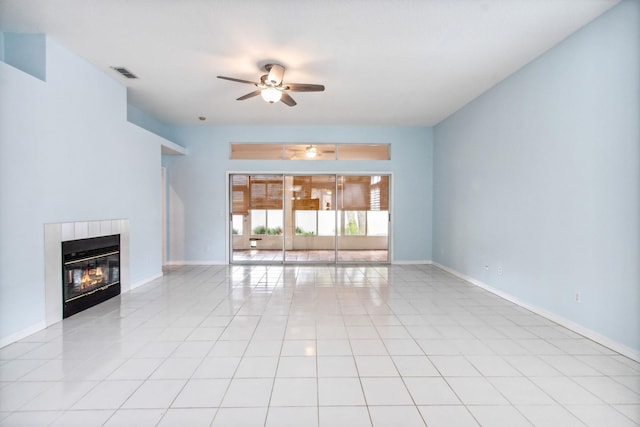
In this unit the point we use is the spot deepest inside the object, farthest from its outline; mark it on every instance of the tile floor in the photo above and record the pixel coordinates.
(315, 256)
(313, 345)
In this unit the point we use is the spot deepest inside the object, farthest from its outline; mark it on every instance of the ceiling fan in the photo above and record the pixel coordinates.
(310, 151)
(273, 89)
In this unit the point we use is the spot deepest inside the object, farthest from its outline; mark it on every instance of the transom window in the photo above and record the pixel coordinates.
(258, 151)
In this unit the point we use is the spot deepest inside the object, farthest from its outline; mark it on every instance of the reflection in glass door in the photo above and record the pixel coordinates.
(257, 220)
(310, 218)
(325, 218)
(363, 218)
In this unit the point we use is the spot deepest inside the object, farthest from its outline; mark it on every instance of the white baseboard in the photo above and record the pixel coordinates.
(404, 262)
(146, 280)
(203, 262)
(22, 334)
(569, 324)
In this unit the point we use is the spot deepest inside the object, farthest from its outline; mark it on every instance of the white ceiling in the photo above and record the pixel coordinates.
(383, 62)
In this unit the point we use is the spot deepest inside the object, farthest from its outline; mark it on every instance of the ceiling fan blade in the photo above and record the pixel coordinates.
(237, 80)
(276, 73)
(249, 95)
(303, 87)
(287, 99)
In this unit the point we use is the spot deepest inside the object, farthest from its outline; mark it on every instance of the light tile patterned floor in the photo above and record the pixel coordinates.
(313, 345)
(310, 256)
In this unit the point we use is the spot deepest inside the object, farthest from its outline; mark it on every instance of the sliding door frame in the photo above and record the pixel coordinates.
(337, 174)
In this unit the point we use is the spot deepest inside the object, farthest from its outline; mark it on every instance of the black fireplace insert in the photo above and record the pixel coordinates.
(90, 272)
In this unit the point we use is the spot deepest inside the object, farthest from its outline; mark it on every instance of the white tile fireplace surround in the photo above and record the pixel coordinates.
(55, 234)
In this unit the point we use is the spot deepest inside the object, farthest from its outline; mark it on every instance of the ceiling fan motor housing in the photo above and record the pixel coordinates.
(276, 73)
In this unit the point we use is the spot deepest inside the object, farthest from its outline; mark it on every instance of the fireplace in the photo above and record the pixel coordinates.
(90, 272)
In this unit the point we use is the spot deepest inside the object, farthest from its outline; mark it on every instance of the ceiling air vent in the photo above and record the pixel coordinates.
(128, 74)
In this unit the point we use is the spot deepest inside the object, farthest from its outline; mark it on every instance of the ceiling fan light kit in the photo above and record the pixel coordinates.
(271, 87)
(311, 151)
(271, 95)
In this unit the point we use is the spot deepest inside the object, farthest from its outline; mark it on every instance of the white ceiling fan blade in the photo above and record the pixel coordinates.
(304, 87)
(233, 79)
(287, 100)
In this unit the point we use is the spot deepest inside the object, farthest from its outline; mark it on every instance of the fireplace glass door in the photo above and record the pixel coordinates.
(91, 272)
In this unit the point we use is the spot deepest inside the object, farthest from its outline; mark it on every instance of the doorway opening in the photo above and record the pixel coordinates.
(320, 218)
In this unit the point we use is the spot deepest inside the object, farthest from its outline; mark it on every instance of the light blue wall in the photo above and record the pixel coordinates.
(67, 153)
(197, 182)
(540, 175)
(141, 118)
(26, 52)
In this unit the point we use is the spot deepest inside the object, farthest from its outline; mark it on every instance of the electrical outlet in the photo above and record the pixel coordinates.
(577, 297)
(486, 267)
(500, 271)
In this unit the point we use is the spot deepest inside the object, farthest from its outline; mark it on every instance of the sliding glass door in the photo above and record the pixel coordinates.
(320, 218)
(257, 218)
(363, 218)
(310, 218)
